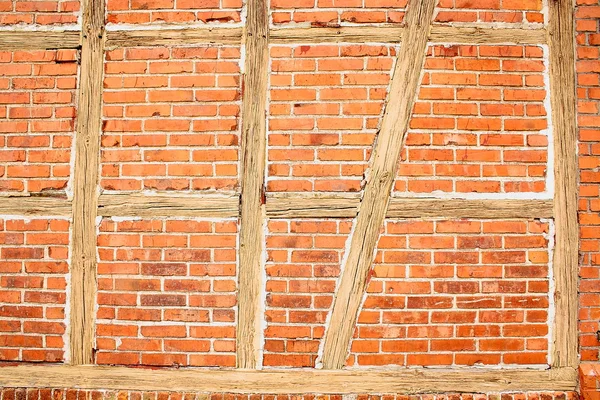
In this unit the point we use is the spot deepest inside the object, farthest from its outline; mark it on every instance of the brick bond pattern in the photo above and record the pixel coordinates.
(33, 288)
(46, 12)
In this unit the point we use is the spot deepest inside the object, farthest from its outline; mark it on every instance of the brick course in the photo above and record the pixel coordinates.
(46, 12)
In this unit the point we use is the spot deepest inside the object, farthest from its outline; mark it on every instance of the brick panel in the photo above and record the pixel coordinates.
(326, 106)
(457, 292)
(37, 119)
(41, 12)
(480, 123)
(173, 11)
(167, 292)
(33, 288)
(335, 12)
(588, 80)
(515, 12)
(171, 118)
(303, 264)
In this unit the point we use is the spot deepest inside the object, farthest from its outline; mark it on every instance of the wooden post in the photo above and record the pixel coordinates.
(85, 181)
(563, 99)
(254, 140)
(384, 165)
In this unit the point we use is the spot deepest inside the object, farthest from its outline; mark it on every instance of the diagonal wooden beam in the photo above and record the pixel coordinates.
(563, 100)
(254, 142)
(384, 165)
(85, 182)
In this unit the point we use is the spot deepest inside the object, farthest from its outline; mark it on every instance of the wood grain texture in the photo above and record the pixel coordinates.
(402, 381)
(253, 164)
(85, 182)
(31, 40)
(564, 120)
(379, 180)
(393, 34)
(298, 205)
(35, 206)
(168, 205)
(174, 37)
(469, 35)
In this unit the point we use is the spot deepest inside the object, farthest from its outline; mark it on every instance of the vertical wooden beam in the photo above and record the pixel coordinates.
(254, 141)
(85, 192)
(384, 165)
(563, 99)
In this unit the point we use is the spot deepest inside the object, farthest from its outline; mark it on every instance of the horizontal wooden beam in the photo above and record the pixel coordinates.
(174, 37)
(168, 205)
(344, 206)
(35, 206)
(39, 40)
(402, 381)
(393, 34)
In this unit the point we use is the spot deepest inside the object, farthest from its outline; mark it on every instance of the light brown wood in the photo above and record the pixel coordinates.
(174, 37)
(35, 206)
(169, 205)
(392, 33)
(468, 35)
(253, 164)
(31, 40)
(85, 182)
(379, 180)
(401, 381)
(299, 205)
(564, 121)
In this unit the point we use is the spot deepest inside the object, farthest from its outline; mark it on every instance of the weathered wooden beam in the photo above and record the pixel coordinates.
(402, 381)
(35, 206)
(380, 177)
(299, 205)
(168, 205)
(174, 37)
(563, 100)
(85, 181)
(253, 164)
(393, 34)
(42, 40)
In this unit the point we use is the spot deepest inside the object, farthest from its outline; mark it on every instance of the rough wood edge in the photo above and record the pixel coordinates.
(85, 181)
(42, 40)
(339, 206)
(174, 37)
(379, 177)
(35, 206)
(401, 381)
(393, 34)
(168, 205)
(253, 165)
(563, 100)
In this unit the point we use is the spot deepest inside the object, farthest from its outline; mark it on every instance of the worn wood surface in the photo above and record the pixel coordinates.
(468, 35)
(379, 180)
(299, 205)
(35, 206)
(174, 37)
(564, 120)
(168, 205)
(253, 164)
(402, 381)
(30, 40)
(85, 181)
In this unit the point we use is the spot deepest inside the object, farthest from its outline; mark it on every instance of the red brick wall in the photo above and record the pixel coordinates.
(46, 12)
(33, 288)
(37, 119)
(173, 11)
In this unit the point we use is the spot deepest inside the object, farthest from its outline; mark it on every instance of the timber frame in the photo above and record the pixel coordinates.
(253, 207)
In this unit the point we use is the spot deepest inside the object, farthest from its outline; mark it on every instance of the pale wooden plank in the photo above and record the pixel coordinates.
(174, 37)
(168, 205)
(254, 139)
(469, 35)
(401, 381)
(564, 121)
(35, 206)
(380, 177)
(85, 181)
(32, 40)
